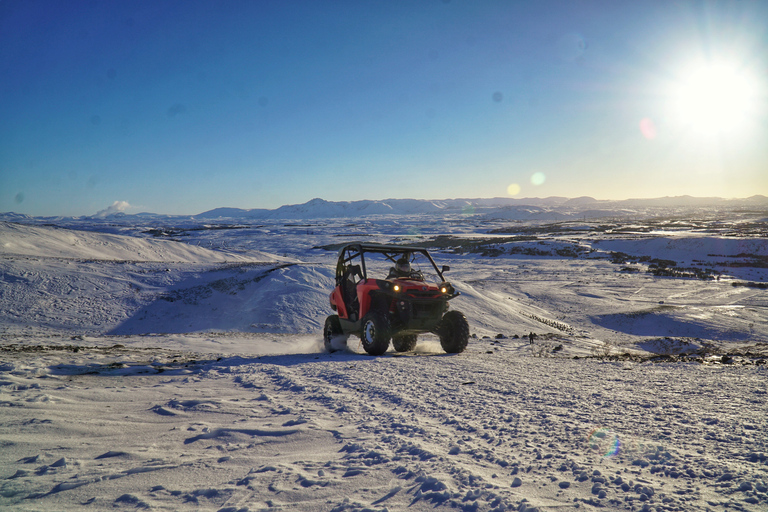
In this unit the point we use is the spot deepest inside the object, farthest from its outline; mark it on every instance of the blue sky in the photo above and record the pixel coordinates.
(182, 106)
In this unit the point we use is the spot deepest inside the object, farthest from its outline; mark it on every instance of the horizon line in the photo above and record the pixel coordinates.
(120, 207)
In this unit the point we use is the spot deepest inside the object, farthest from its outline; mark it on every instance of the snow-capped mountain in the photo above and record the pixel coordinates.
(544, 209)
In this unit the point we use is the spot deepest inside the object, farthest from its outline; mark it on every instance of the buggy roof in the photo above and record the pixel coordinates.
(352, 251)
(382, 248)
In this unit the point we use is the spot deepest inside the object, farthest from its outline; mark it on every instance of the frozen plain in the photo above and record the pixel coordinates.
(178, 365)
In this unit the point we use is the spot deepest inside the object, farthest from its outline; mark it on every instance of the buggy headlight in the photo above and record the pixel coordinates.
(396, 287)
(446, 288)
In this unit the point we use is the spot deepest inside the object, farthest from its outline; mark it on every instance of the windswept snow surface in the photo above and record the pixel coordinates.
(181, 367)
(67, 244)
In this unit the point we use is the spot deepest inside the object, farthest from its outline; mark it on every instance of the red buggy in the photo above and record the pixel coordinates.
(392, 292)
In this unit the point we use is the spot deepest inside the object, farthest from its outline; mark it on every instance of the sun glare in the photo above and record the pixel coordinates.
(715, 99)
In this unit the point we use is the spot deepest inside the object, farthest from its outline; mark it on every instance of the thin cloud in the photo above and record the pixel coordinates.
(116, 207)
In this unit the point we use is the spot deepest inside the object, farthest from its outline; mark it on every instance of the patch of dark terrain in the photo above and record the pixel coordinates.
(118, 357)
(336, 246)
(749, 223)
(662, 268)
(623, 230)
(756, 355)
(586, 226)
(498, 246)
(459, 245)
(84, 260)
(245, 265)
(215, 227)
(167, 232)
(751, 284)
(552, 229)
(747, 260)
(756, 229)
(17, 348)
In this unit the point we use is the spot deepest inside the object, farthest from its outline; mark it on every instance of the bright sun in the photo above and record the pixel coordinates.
(715, 99)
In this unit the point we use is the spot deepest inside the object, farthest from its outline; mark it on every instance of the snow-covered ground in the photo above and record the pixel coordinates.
(177, 364)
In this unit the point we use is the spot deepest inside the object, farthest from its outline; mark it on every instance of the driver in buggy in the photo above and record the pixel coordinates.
(403, 270)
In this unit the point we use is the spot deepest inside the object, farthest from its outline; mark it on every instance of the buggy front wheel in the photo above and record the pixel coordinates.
(375, 333)
(454, 332)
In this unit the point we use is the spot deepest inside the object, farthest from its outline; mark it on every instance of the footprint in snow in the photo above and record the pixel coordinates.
(162, 411)
(224, 432)
(111, 454)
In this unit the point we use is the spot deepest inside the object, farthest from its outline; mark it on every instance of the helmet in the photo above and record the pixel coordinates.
(402, 265)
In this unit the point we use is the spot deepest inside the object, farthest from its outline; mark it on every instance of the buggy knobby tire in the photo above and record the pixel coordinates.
(375, 333)
(454, 332)
(404, 342)
(333, 334)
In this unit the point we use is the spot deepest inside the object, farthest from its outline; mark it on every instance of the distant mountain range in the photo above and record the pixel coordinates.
(549, 208)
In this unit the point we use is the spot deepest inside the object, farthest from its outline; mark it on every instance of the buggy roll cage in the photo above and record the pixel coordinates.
(352, 251)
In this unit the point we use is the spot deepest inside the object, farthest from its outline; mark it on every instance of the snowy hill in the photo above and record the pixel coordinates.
(63, 279)
(54, 242)
(182, 367)
(276, 278)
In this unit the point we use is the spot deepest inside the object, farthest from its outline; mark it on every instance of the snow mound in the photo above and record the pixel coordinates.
(715, 323)
(286, 298)
(54, 242)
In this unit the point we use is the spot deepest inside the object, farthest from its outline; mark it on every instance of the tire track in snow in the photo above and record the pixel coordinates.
(459, 432)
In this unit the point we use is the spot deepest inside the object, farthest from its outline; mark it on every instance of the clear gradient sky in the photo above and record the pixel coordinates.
(178, 107)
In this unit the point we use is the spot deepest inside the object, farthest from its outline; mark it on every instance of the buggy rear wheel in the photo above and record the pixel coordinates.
(333, 336)
(404, 342)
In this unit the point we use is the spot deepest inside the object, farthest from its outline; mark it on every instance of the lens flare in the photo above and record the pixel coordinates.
(604, 440)
(538, 178)
(648, 128)
(513, 189)
(571, 47)
(414, 231)
(607, 443)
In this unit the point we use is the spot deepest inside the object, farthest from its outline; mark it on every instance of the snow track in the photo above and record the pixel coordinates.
(344, 431)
